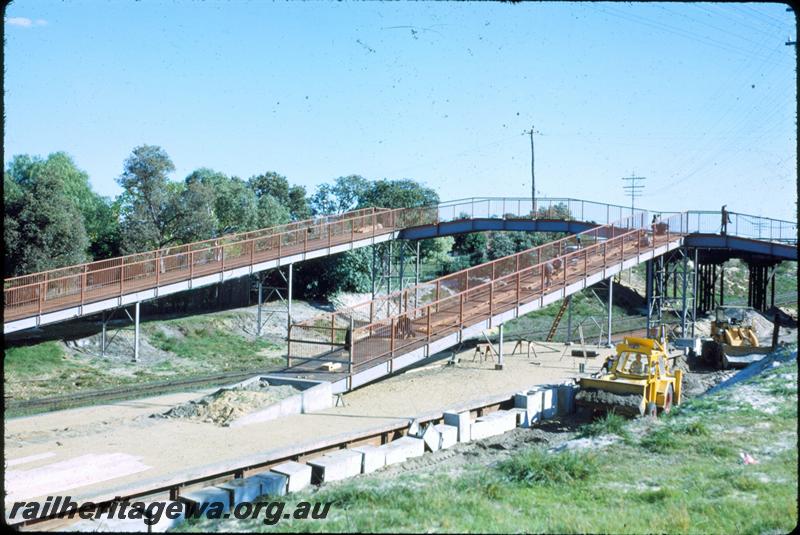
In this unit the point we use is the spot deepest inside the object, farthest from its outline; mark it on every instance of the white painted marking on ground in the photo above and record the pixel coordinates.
(70, 474)
(30, 458)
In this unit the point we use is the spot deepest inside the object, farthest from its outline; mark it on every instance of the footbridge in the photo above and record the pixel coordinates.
(603, 242)
(84, 289)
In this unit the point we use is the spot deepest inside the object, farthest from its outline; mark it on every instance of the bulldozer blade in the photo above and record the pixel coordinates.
(628, 404)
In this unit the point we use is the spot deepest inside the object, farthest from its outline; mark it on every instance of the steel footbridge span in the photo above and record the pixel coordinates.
(84, 289)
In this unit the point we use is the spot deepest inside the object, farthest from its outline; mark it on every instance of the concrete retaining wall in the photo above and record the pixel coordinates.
(314, 396)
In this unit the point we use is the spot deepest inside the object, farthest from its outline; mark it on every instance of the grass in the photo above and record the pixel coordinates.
(678, 474)
(206, 342)
(610, 424)
(34, 360)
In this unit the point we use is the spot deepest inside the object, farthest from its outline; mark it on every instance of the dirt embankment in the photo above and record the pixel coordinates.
(229, 404)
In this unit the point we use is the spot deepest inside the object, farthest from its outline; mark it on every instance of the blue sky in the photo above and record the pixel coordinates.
(698, 98)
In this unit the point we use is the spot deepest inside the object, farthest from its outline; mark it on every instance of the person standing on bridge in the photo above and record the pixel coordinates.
(726, 218)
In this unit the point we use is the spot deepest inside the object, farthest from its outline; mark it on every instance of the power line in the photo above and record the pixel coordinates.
(633, 189)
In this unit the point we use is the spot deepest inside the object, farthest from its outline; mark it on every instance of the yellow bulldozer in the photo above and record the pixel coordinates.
(635, 381)
(734, 341)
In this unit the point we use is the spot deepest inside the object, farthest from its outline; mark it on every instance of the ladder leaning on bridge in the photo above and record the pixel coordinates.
(557, 319)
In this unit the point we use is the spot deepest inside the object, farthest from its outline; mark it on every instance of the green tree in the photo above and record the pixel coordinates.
(272, 212)
(345, 194)
(44, 228)
(99, 217)
(277, 186)
(149, 207)
(235, 206)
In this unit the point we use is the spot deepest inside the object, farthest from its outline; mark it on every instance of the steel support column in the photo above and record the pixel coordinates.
(500, 363)
(136, 333)
(610, 302)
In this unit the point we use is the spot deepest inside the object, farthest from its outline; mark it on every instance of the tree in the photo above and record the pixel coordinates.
(99, 218)
(345, 194)
(235, 207)
(44, 228)
(271, 212)
(149, 209)
(277, 186)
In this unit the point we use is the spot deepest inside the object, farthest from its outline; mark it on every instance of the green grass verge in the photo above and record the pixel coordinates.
(679, 474)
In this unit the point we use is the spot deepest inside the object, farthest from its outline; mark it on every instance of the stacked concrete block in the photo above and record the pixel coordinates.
(242, 490)
(531, 402)
(566, 397)
(462, 421)
(521, 415)
(403, 449)
(448, 435)
(335, 466)
(549, 401)
(208, 497)
(372, 458)
(493, 424)
(272, 484)
(299, 475)
(431, 438)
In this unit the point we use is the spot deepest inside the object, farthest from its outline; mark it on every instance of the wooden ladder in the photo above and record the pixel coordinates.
(557, 319)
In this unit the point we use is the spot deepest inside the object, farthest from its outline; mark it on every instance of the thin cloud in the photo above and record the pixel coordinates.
(25, 22)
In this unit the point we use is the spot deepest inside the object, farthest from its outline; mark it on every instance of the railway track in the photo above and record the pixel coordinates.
(79, 399)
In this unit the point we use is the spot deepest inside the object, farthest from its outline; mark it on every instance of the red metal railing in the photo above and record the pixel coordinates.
(47, 291)
(400, 322)
(76, 285)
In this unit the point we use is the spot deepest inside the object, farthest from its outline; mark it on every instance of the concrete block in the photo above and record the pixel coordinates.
(462, 421)
(242, 490)
(521, 415)
(493, 424)
(506, 420)
(110, 525)
(448, 435)
(299, 475)
(164, 522)
(372, 458)
(402, 449)
(431, 438)
(272, 483)
(549, 401)
(135, 525)
(531, 401)
(335, 466)
(208, 497)
(566, 398)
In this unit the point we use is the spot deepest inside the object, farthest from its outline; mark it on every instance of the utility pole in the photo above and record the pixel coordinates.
(634, 189)
(533, 172)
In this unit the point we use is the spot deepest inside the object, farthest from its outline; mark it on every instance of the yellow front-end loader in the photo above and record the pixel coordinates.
(637, 380)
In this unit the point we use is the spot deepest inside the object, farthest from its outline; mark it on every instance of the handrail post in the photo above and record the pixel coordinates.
(491, 302)
(222, 255)
(121, 275)
(351, 348)
(252, 251)
(83, 282)
(518, 286)
(461, 311)
(191, 264)
(42, 290)
(391, 338)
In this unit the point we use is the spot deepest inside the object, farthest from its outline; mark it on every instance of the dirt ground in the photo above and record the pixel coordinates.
(173, 446)
(48, 451)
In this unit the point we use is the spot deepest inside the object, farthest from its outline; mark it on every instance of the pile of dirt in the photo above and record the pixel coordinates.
(229, 404)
